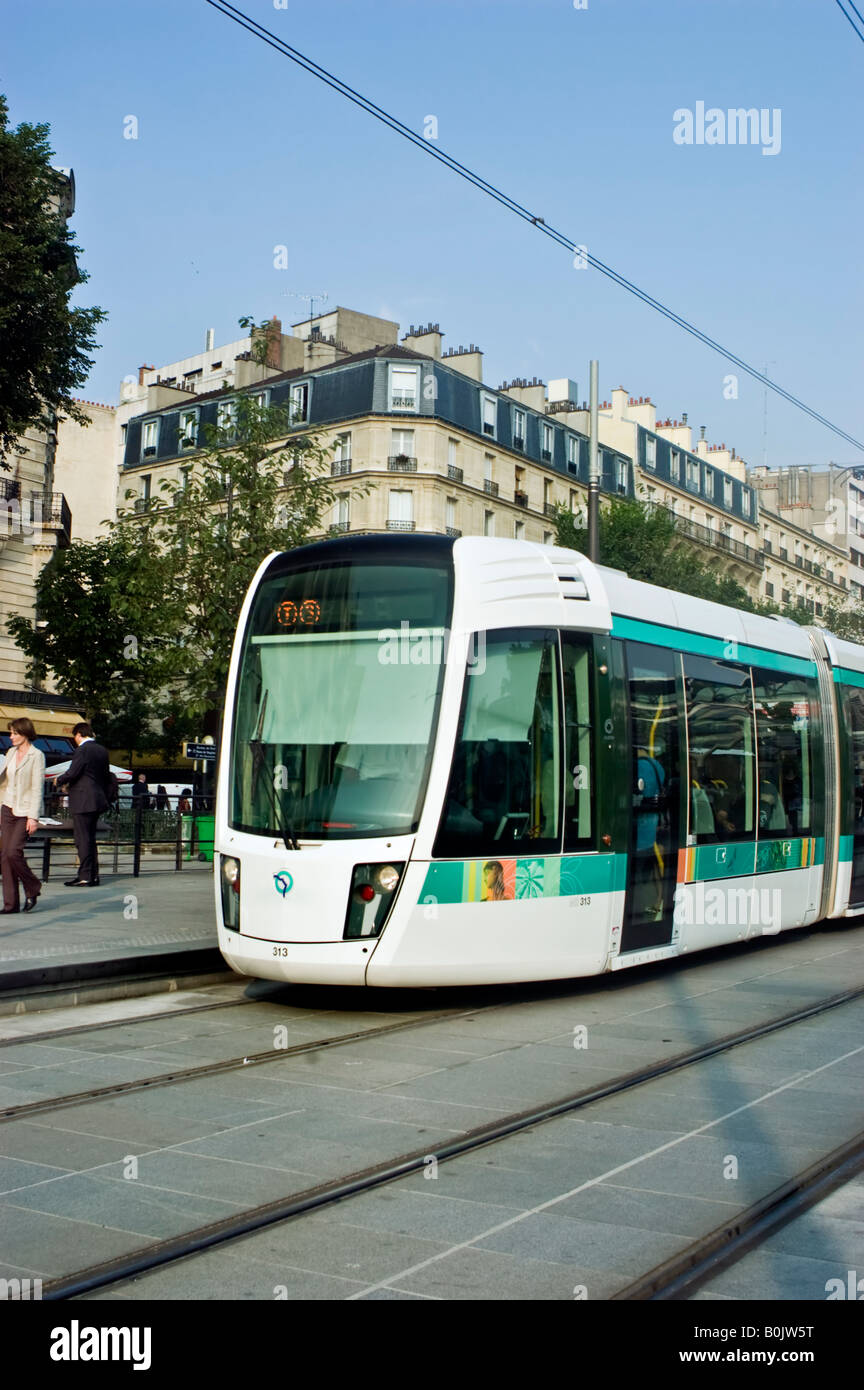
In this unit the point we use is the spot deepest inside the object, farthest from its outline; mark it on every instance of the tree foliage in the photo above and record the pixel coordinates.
(44, 343)
(103, 625)
(258, 486)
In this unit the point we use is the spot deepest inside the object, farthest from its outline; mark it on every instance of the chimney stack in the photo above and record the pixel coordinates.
(209, 339)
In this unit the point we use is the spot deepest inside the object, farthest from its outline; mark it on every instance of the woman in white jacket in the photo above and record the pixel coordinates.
(22, 779)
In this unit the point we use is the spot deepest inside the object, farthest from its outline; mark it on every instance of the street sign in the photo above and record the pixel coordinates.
(207, 751)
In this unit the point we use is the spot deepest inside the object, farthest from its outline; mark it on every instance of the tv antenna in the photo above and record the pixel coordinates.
(311, 300)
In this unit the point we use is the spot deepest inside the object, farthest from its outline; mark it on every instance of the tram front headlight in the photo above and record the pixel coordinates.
(229, 882)
(373, 890)
(387, 877)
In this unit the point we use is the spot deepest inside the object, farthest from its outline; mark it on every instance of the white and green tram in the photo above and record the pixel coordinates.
(472, 761)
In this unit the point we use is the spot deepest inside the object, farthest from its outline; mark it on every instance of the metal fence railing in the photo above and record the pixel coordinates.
(129, 840)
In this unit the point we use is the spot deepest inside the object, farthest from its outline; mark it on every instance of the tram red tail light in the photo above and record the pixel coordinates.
(373, 890)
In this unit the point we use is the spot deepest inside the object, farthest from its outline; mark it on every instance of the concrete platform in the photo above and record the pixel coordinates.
(107, 936)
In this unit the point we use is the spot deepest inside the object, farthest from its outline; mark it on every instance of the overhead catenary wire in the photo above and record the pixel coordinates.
(365, 103)
(858, 31)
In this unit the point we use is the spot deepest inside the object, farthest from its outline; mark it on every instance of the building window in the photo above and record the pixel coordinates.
(452, 453)
(261, 399)
(650, 452)
(300, 402)
(146, 481)
(225, 416)
(343, 510)
(342, 453)
(675, 463)
(149, 438)
(450, 514)
(488, 523)
(623, 475)
(403, 388)
(489, 409)
(402, 448)
(548, 538)
(185, 475)
(692, 473)
(727, 492)
(518, 429)
(188, 429)
(548, 441)
(519, 530)
(572, 453)
(769, 590)
(574, 501)
(401, 514)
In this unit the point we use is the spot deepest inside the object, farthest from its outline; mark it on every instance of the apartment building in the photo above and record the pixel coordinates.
(823, 504)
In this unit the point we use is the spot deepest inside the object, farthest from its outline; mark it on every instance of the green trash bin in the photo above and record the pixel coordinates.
(205, 827)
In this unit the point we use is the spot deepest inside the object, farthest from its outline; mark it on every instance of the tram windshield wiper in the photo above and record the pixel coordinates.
(259, 768)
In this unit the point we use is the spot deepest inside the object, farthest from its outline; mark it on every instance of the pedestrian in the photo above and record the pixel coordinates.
(88, 780)
(22, 781)
(184, 805)
(162, 802)
(141, 793)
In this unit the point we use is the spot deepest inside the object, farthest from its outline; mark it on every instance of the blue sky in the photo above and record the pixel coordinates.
(570, 111)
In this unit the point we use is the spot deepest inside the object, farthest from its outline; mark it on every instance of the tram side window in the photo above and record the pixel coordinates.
(504, 793)
(854, 711)
(578, 770)
(722, 751)
(784, 712)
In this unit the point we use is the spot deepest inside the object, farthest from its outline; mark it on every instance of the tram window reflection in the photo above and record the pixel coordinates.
(505, 780)
(783, 730)
(722, 750)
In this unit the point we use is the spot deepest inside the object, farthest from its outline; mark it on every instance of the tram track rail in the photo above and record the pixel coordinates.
(692, 1261)
(706, 1257)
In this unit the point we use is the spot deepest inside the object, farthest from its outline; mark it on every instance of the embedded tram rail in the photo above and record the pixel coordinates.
(392, 1171)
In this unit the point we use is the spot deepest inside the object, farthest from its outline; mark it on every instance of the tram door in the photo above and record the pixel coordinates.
(855, 723)
(655, 797)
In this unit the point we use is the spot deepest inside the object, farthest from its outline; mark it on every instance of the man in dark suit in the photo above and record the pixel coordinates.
(87, 784)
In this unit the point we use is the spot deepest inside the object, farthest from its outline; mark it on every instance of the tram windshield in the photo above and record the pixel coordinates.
(337, 699)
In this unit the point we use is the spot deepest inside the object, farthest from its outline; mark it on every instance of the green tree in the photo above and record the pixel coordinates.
(104, 626)
(44, 343)
(258, 486)
(644, 542)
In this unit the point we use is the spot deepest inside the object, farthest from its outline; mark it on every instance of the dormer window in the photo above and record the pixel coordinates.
(403, 388)
(188, 429)
(650, 452)
(518, 429)
(489, 415)
(225, 415)
(149, 439)
(300, 402)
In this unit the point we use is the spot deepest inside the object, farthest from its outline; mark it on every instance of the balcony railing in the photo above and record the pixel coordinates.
(403, 402)
(401, 463)
(521, 499)
(400, 525)
(142, 504)
(766, 546)
(490, 487)
(455, 474)
(338, 528)
(149, 452)
(10, 489)
(55, 514)
(717, 539)
(339, 467)
(518, 441)
(549, 509)
(453, 532)
(784, 554)
(546, 455)
(799, 562)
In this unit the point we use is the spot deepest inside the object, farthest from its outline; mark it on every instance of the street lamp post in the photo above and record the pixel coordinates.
(593, 472)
